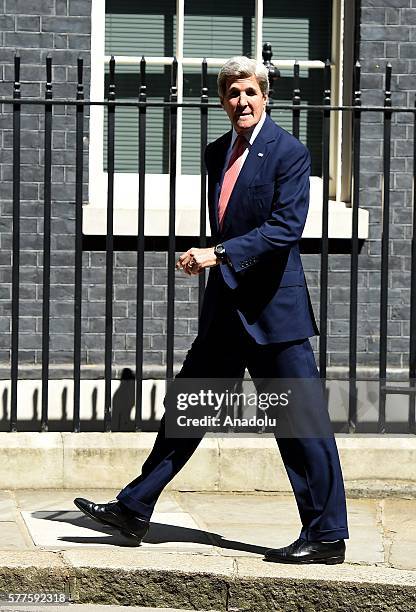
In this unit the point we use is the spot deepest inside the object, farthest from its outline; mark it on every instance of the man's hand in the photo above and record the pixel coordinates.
(195, 260)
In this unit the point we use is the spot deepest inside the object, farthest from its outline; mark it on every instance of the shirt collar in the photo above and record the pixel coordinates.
(251, 134)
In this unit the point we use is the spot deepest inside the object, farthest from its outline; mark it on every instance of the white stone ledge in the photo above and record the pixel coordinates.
(188, 208)
(187, 222)
(109, 460)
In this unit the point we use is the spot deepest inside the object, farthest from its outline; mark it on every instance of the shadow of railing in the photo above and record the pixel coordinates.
(122, 418)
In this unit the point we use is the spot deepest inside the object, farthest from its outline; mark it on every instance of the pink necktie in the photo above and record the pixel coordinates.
(230, 176)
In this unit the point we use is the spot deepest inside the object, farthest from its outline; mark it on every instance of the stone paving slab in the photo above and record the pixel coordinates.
(365, 545)
(66, 529)
(53, 522)
(23, 559)
(272, 521)
(273, 509)
(7, 506)
(247, 540)
(58, 499)
(399, 518)
(11, 536)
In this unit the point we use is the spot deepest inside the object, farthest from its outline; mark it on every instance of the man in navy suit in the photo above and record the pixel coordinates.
(256, 314)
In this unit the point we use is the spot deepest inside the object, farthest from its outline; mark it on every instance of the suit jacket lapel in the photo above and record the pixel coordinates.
(218, 161)
(254, 160)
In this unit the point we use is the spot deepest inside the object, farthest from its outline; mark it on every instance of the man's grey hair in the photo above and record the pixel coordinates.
(241, 67)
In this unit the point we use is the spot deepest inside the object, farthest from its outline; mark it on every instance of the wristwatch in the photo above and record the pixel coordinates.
(219, 252)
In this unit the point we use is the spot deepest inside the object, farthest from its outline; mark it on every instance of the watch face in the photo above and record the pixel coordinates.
(219, 250)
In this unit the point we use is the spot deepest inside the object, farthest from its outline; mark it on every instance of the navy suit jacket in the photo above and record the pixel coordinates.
(262, 226)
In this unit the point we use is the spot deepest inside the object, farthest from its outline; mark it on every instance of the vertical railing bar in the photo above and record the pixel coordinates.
(46, 246)
(385, 238)
(79, 166)
(203, 200)
(325, 243)
(140, 247)
(352, 397)
(273, 74)
(412, 339)
(109, 249)
(296, 100)
(15, 247)
(173, 119)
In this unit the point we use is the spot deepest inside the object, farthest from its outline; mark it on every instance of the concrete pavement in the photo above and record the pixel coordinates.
(91, 608)
(204, 551)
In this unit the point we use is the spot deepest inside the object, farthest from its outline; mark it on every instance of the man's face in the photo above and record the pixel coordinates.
(244, 103)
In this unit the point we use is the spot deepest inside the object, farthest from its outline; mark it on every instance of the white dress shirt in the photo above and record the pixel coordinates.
(250, 136)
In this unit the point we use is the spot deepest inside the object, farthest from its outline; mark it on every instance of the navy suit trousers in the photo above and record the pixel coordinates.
(312, 464)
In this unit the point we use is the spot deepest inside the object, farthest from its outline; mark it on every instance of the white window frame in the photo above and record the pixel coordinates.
(157, 185)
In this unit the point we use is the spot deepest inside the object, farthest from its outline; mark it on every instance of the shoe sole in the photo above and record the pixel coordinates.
(328, 561)
(125, 532)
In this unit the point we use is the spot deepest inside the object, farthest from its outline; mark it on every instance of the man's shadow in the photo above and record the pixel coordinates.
(159, 533)
(123, 417)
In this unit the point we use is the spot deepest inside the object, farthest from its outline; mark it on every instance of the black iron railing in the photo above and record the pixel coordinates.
(355, 111)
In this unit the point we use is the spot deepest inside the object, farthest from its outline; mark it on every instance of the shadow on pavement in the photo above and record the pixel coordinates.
(159, 533)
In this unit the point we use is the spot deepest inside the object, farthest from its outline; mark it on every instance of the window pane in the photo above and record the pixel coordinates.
(157, 122)
(300, 30)
(218, 122)
(140, 28)
(218, 28)
(310, 122)
(297, 29)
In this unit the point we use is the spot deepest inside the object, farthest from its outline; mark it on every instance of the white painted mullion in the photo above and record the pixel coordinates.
(180, 28)
(336, 98)
(97, 176)
(259, 30)
(340, 94)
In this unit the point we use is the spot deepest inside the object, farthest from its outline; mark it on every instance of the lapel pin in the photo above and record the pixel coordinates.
(260, 154)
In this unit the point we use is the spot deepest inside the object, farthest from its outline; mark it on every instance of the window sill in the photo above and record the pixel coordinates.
(187, 209)
(187, 222)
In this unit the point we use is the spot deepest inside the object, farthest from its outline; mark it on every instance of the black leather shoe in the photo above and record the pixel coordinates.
(115, 515)
(302, 551)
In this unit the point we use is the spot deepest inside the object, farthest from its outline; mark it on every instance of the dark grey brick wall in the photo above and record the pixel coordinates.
(61, 27)
(35, 28)
(388, 34)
